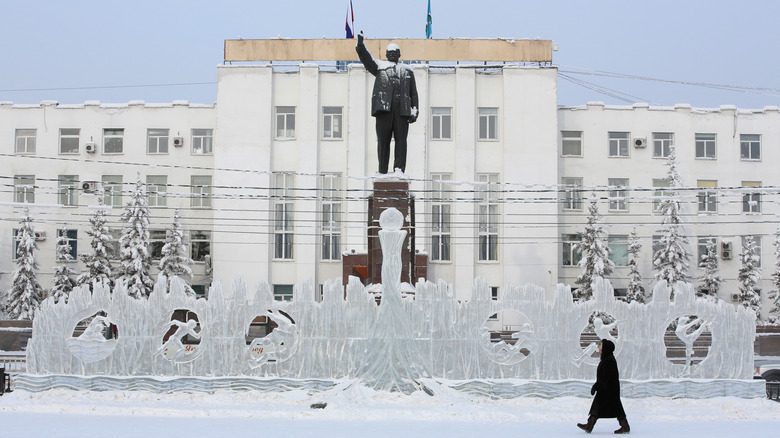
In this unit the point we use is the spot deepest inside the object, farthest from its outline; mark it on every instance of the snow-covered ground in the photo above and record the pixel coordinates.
(359, 412)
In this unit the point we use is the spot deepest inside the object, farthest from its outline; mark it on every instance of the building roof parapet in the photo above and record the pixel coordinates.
(681, 107)
(108, 105)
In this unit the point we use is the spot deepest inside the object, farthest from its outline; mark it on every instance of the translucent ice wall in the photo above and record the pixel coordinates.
(388, 346)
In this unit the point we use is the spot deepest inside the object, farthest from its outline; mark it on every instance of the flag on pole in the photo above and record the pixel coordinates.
(429, 23)
(349, 25)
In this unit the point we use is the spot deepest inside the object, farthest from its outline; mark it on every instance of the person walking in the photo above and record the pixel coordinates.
(607, 403)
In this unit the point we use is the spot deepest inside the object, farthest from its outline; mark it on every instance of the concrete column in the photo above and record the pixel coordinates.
(464, 250)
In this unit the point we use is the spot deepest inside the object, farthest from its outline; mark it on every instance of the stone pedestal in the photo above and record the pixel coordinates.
(390, 193)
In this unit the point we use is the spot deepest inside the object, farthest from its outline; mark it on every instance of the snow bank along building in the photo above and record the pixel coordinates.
(272, 179)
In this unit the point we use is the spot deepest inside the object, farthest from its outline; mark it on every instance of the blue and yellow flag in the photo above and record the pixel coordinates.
(429, 23)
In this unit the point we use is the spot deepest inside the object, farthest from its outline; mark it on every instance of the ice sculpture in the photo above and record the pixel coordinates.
(389, 345)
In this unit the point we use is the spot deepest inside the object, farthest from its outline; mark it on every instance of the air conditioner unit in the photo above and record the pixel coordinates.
(91, 148)
(89, 186)
(40, 235)
(178, 142)
(725, 250)
(734, 297)
(640, 143)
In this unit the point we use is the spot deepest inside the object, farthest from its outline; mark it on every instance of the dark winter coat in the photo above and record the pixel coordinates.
(382, 97)
(607, 403)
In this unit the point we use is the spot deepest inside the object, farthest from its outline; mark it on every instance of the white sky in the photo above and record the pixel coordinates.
(88, 43)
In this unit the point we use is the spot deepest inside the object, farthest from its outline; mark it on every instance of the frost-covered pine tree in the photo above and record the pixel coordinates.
(97, 264)
(710, 278)
(175, 261)
(26, 293)
(774, 313)
(63, 275)
(670, 261)
(749, 274)
(135, 260)
(636, 292)
(595, 253)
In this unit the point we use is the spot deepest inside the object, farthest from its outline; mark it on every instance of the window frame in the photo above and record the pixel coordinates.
(199, 242)
(202, 139)
(707, 196)
(442, 114)
(751, 197)
(111, 196)
(572, 193)
(755, 140)
(487, 113)
(614, 140)
(569, 250)
(699, 139)
(201, 191)
(288, 117)
(69, 136)
(488, 214)
(283, 292)
(72, 234)
(159, 137)
(330, 214)
(701, 247)
(330, 120)
(24, 188)
(568, 137)
(110, 134)
(284, 220)
(157, 238)
(30, 140)
(618, 241)
(441, 218)
(67, 190)
(618, 194)
(154, 195)
(665, 144)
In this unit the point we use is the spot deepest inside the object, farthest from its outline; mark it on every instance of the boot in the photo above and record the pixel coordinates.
(624, 427)
(588, 427)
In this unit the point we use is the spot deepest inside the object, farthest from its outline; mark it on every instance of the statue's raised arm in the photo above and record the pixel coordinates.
(365, 56)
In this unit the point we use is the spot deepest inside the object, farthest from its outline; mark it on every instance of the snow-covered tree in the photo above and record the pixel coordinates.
(774, 313)
(63, 275)
(135, 260)
(710, 278)
(670, 261)
(595, 252)
(749, 274)
(636, 292)
(175, 261)
(97, 264)
(26, 293)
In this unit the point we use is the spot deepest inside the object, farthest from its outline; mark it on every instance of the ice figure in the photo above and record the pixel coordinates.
(603, 331)
(174, 349)
(688, 336)
(277, 346)
(93, 345)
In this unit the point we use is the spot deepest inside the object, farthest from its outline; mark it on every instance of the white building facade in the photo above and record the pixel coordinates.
(272, 180)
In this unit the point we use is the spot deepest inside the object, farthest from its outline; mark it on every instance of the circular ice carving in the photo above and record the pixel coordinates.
(182, 337)
(600, 326)
(278, 342)
(94, 338)
(690, 343)
(391, 219)
(507, 337)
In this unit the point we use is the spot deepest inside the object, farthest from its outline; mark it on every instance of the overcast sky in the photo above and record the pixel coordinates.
(89, 43)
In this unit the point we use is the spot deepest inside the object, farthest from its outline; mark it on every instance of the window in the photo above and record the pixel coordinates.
(157, 190)
(705, 145)
(701, 247)
(331, 216)
(657, 244)
(283, 292)
(283, 215)
(618, 249)
(659, 195)
(68, 189)
(708, 199)
(572, 195)
(618, 195)
(488, 123)
(662, 144)
(113, 141)
(72, 237)
(285, 122)
(112, 190)
(200, 187)
(200, 245)
(570, 254)
(156, 243)
(571, 143)
(69, 140)
(202, 141)
(750, 146)
(441, 205)
(331, 122)
(618, 144)
(113, 246)
(24, 188)
(441, 123)
(757, 244)
(156, 141)
(25, 141)
(494, 293)
(487, 202)
(751, 201)
(15, 239)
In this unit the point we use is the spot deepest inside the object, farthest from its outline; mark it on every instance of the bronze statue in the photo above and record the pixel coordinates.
(393, 103)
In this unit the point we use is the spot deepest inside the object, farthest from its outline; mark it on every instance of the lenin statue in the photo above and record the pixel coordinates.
(393, 102)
